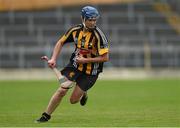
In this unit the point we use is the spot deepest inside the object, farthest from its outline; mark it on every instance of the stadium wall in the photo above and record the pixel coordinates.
(12, 5)
(143, 43)
(108, 74)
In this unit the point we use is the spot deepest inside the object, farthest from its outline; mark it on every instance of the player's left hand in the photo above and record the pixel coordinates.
(81, 60)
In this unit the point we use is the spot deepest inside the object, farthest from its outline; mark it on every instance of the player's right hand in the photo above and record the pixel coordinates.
(51, 63)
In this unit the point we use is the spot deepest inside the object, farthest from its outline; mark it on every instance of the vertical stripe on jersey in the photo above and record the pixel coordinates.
(74, 34)
(98, 40)
(104, 39)
(80, 67)
(90, 41)
(76, 37)
(79, 39)
(87, 41)
(74, 61)
(96, 65)
(88, 67)
(84, 67)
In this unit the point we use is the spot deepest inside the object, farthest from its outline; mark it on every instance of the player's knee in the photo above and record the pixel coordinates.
(61, 92)
(67, 84)
(73, 100)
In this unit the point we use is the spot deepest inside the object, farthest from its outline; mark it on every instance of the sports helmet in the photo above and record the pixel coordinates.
(89, 12)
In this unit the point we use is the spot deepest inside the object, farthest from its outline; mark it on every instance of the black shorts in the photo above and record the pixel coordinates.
(84, 81)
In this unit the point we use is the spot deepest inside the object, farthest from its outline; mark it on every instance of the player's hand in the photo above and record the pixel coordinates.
(51, 63)
(80, 59)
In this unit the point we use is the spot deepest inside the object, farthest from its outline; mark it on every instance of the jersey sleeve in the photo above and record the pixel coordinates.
(102, 42)
(67, 37)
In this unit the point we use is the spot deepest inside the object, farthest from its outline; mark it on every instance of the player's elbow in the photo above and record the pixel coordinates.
(106, 58)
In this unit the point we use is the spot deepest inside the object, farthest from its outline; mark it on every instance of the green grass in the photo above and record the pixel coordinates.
(148, 103)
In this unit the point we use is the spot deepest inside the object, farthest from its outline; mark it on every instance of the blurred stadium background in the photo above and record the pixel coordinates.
(144, 38)
(144, 35)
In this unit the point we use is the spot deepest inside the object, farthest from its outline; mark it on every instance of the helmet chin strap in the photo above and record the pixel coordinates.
(84, 24)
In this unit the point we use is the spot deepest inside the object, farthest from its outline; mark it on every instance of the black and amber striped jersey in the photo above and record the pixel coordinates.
(94, 41)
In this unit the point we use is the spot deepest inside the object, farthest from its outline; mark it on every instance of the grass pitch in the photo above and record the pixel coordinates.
(132, 103)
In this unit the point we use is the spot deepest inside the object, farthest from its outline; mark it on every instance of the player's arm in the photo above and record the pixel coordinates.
(102, 58)
(56, 51)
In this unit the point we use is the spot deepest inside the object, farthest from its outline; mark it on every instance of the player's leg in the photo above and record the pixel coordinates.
(55, 101)
(84, 99)
(76, 94)
(57, 97)
(83, 84)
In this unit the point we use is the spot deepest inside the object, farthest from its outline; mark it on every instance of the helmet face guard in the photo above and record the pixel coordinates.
(89, 12)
